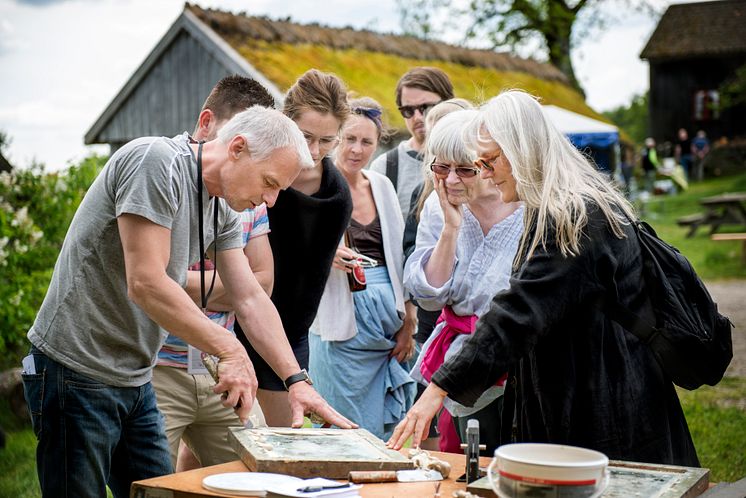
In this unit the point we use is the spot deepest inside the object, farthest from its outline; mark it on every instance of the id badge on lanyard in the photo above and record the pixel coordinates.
(195, 366)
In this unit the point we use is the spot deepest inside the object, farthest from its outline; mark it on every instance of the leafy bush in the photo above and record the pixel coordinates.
(36, 208)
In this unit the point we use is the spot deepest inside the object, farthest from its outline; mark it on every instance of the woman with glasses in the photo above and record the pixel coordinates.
(307, 221)
(362, 336)
(575, 376)
(466, 241)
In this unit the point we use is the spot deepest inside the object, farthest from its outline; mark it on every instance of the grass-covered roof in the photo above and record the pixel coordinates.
(371, 63)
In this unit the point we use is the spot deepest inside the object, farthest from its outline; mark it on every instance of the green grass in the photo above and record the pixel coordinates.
(18, 466)
(18, 458)
(712, 260)
(717, 420)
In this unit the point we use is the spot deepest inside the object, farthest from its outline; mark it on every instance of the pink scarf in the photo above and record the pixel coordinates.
(436, 352)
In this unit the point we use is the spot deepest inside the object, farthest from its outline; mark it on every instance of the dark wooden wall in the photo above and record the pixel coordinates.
(672, 88)
(168, 99)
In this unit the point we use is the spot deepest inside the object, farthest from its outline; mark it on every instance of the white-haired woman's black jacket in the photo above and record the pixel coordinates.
(576, 377)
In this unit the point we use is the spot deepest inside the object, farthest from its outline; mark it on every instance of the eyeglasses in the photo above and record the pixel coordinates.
(485, 164)
(324, 142)
(443, 170)
(407, 111)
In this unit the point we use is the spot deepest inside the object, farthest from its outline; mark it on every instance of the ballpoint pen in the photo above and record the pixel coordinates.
(314, 489)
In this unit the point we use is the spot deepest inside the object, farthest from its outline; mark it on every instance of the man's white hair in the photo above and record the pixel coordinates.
(265, 131)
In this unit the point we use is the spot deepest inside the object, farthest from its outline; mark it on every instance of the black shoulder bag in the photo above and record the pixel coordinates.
(689, 338)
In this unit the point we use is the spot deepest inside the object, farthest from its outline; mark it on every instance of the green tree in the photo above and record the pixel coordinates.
(632, 118)
(515, 22)
(5, 140)
(733, 90)
(552, 24)
(419, 18)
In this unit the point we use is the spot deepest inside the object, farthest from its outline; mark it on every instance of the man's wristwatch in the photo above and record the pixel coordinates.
(301, 376)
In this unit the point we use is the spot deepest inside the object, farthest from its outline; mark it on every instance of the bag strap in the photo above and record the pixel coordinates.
(644, 328)
(392, 166)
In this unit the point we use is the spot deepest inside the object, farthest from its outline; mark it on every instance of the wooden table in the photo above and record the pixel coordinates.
(690, 482)
(725, 209)
(189, 484)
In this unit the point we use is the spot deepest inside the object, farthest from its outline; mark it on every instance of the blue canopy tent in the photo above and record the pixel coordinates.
(600, 140)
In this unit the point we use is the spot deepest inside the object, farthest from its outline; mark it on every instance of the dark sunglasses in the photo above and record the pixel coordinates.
(444, 170)
(407, 111)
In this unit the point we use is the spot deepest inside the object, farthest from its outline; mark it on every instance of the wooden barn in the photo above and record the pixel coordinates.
(165, 94)
(694, 49)
(5, 164)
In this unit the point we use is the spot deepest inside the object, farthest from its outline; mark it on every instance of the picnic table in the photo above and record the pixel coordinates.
(718, 210)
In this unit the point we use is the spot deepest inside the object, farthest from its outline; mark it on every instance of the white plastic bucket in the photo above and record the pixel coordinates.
(541, 470)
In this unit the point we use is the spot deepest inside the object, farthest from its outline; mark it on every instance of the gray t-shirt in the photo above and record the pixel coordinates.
(409, 176)
(86, 322)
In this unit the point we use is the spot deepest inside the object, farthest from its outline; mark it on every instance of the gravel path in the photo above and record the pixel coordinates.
(731, 298)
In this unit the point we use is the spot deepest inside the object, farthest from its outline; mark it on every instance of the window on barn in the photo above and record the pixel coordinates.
(706, 105)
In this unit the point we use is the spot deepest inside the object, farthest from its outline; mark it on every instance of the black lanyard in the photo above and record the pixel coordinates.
(204, 297)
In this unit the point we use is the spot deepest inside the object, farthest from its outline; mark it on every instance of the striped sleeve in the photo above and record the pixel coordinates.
(255, 222)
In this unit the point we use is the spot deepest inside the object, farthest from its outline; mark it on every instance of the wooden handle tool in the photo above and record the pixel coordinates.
(366, 476)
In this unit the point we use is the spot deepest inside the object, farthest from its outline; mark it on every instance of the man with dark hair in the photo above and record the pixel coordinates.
(416, 93)
(230, 95)
(183, 386)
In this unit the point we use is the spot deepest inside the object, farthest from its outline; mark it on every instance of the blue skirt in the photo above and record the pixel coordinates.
(356, 376)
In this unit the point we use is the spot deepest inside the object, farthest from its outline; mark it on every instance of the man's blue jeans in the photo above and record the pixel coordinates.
(91, 434)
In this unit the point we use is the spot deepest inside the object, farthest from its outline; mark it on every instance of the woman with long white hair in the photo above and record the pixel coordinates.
(466, 241)
(575, 376)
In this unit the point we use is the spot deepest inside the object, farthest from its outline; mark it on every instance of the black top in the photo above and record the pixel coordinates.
(305, 233)
(367, 239)
(647, 164)
(685, 146)
(425, 319)
(575, 376)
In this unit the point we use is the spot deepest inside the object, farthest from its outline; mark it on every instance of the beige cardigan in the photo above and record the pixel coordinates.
(335, 320)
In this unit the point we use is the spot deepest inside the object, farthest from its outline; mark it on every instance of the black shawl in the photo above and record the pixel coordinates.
(575, 377)
(305, 233)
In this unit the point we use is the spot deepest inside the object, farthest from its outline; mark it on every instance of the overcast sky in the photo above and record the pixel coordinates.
(63, 61)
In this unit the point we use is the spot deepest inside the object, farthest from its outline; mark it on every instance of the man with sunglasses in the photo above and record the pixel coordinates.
(417, 92)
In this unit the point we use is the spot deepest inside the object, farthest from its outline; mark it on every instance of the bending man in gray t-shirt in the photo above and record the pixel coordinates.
(118, 282)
